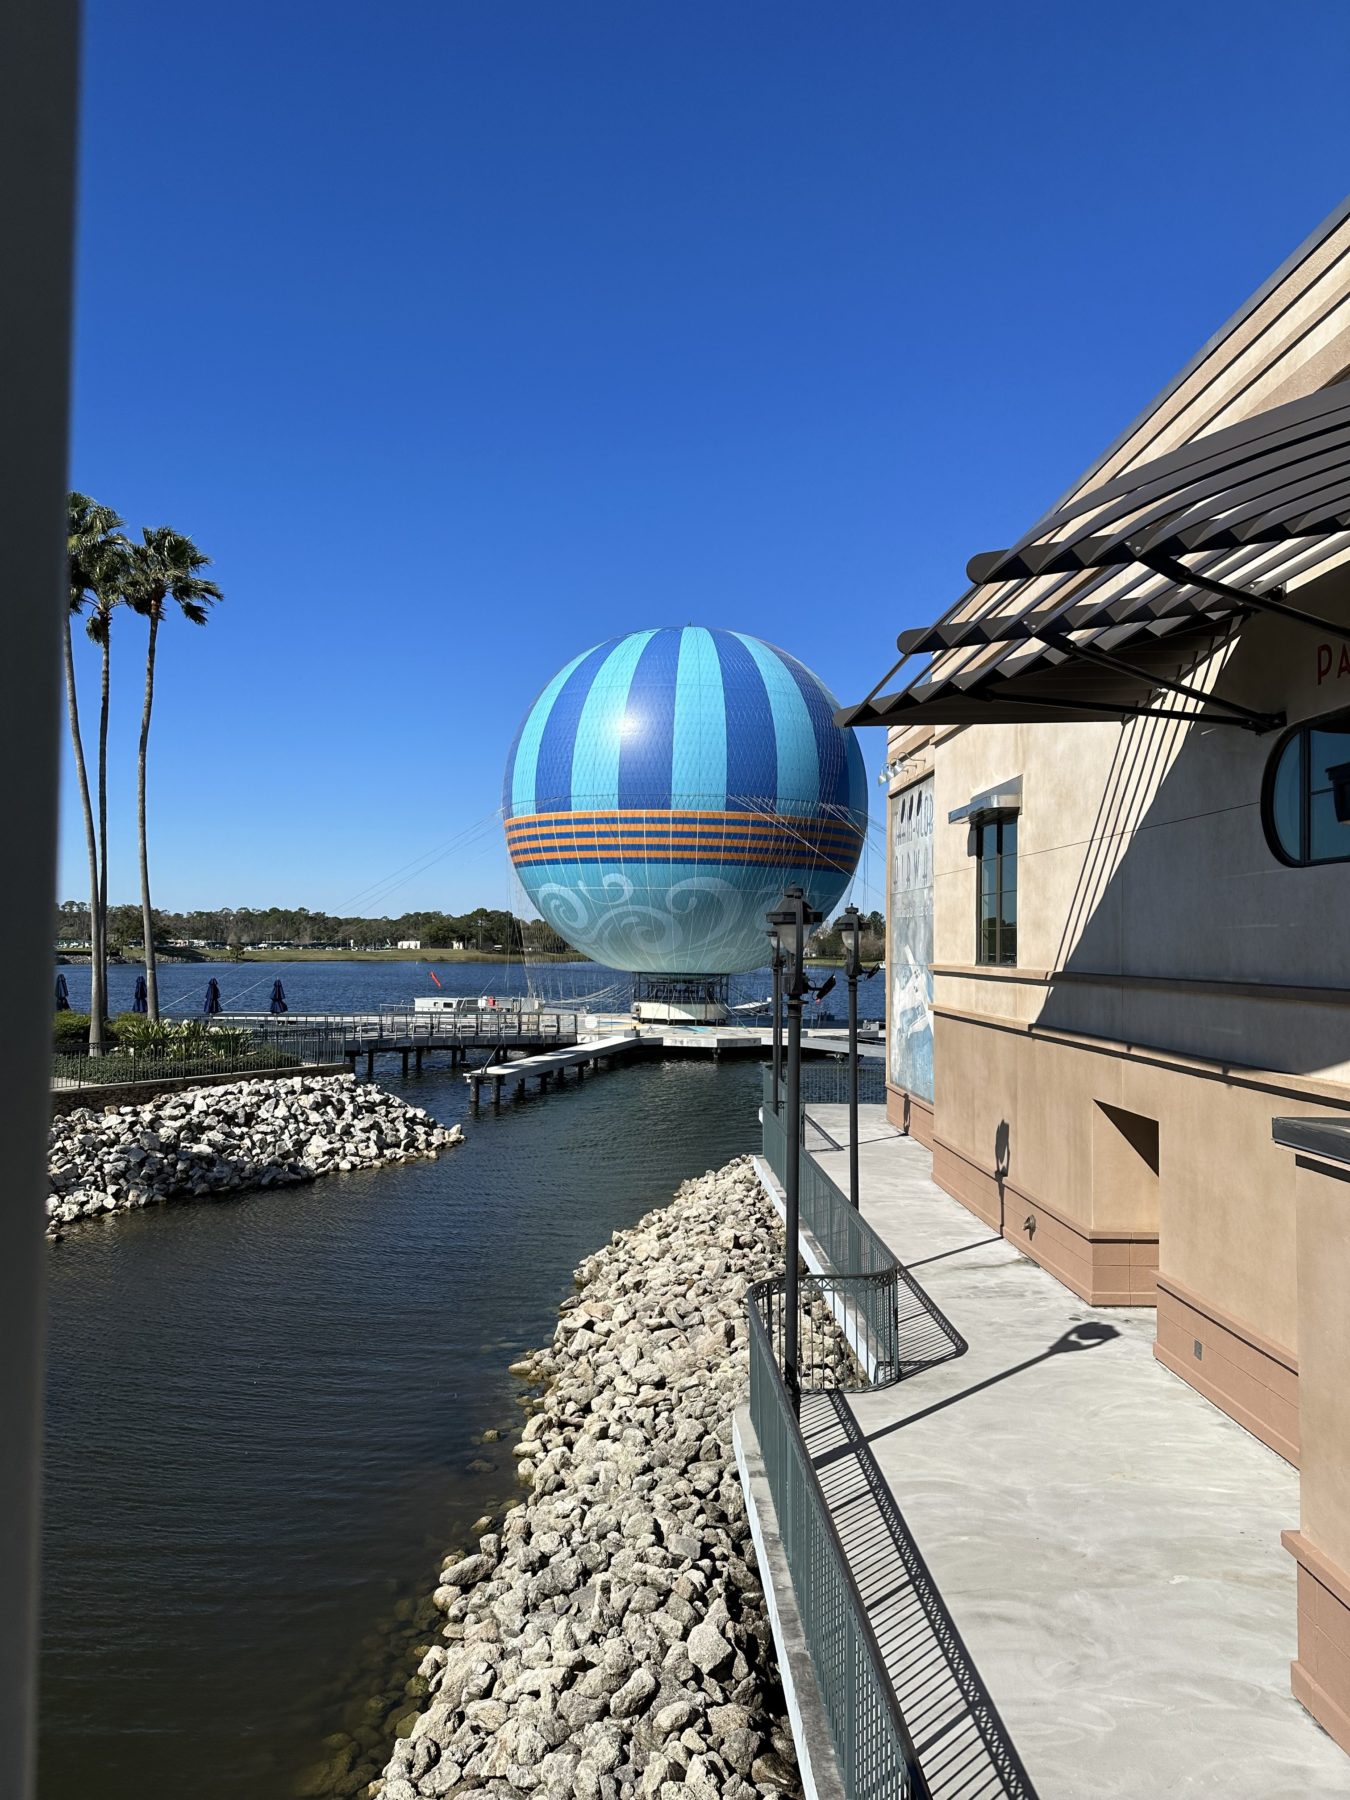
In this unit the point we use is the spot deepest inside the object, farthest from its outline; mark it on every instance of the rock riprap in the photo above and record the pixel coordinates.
(610, 1640)
(208, 1141)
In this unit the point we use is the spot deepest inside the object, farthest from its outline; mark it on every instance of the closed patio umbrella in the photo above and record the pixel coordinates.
(278, 998)
(212, 1002)
(62, 994)
(140, 1000)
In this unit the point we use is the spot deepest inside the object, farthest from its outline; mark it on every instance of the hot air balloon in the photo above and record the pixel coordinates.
(664, 789)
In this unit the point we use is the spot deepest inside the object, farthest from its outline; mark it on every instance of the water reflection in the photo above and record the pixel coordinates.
(262, 1420)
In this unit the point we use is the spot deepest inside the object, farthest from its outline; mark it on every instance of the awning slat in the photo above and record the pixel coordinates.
(1191, 543)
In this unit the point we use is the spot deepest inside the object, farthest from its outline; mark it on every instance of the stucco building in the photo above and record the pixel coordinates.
(1119, 820)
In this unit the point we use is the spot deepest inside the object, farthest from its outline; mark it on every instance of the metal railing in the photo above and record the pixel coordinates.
(847, 1242)
(235, 1052)
(848, 1329)
(875, 1753)
(826, 1083)
(498, 1025)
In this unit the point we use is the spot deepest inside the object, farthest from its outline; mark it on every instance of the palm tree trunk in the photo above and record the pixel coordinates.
(97, 997)
(103, 804)
(147, 918)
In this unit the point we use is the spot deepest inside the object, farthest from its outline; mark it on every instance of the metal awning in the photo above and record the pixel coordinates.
(1093, 613)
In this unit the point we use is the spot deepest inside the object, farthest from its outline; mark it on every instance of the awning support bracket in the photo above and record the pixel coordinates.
(1175, 570)
(1107, 709)
(1245, 716)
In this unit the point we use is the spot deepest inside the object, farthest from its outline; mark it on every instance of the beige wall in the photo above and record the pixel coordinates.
(1170, 968)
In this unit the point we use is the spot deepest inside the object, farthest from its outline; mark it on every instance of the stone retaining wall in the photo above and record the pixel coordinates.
(610, 1641)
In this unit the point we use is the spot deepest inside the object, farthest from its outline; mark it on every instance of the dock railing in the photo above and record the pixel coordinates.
(873, 1747)
(498, 1025)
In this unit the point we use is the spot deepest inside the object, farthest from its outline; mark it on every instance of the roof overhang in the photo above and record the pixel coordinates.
(1093, 613)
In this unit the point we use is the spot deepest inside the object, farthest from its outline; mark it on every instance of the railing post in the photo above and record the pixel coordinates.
(777, 1024)
(793, 918)
(849, 927)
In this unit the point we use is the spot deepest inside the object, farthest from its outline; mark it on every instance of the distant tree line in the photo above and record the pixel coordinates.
(485, 928)
(828, 940)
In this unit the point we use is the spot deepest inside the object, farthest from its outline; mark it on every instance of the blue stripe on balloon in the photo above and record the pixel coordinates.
(553, 774)
(600, 727)
(752, 758)
(831, 748)
(798, 758)
(649, 732)
(699, 765)
(523, 762)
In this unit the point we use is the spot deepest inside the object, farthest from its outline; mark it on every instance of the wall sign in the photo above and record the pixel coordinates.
(910, 958)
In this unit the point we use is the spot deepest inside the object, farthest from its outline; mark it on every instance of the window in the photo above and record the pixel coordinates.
(1305, 805)
(996, 918)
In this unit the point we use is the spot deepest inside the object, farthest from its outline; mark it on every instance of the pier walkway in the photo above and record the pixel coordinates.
(1105, 1542)
(409, 1034)
(549, 1065)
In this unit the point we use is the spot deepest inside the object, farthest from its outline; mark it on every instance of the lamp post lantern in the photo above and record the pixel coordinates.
(790, 924)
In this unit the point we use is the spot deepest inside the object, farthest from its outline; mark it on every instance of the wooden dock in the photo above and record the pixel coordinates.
(549, 1066)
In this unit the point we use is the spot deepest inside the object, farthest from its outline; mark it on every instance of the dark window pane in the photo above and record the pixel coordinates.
(1326, 748)
(1010, 837)
(1285, 799)
(987, 946)
(1008, 944)
(988, 875)
(1008, 906)
(1328, 839)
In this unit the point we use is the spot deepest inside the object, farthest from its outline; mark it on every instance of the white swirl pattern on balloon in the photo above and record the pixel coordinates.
(699, 924)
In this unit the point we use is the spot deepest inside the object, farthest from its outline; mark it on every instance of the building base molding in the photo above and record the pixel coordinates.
(1105, 1268)
(1244, 1374)
(1320, 1677)
(910, 1113)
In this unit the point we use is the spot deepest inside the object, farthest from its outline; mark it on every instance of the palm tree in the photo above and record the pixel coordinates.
(95, 550)
(111, 567)
(164, 567)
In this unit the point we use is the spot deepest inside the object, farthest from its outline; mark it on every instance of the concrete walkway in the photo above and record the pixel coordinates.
(1107, 1543)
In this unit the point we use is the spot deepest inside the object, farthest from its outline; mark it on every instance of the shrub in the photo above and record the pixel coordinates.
(70, 1031)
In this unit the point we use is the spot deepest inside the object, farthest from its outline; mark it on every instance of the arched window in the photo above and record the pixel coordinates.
(1305, 803)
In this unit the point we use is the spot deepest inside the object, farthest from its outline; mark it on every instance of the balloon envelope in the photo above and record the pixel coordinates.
(666, 787)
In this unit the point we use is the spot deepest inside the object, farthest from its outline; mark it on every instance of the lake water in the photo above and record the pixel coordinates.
(364, 986)
(262, 1410)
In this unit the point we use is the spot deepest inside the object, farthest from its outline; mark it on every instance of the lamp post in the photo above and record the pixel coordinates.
(850, 925)
(776, 963)
(791, 922)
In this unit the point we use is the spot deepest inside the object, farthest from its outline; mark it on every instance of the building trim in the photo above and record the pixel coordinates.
(1102, 1266)
(1232, 1365)
(1268, 1347)
(1179, 984)
(1270, 1081)
(1320, 1676)
(910, 1113)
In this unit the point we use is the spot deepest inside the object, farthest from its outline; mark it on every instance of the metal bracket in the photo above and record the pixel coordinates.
(1175, 570)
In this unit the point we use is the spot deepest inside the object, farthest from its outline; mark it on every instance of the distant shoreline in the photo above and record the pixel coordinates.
(81, 957)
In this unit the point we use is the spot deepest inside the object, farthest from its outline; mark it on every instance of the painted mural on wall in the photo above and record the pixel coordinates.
(911, 946)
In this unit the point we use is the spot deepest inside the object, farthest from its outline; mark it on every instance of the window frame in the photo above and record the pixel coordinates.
(995, 821)
(1299, 734)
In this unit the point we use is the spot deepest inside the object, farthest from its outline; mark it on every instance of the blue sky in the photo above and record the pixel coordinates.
(463, 336)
